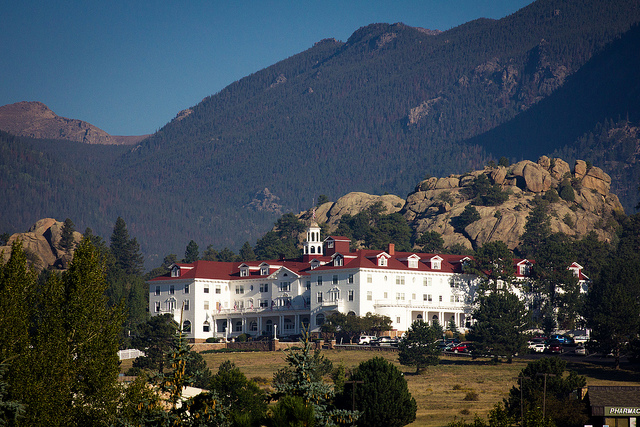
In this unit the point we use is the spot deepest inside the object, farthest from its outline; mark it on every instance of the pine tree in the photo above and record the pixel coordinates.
(246, 252)
(126, 251)
(67, 241)
(191, 253)
(418, 348)
(383, 398)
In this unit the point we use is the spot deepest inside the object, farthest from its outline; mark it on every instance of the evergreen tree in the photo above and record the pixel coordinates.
(248, 402)
(418, 348)
(501, 320)
(383, 398)
(125, 251)
(67, 241)
(493, 263)
(468, 216)
(210, 254)
(303, 379)
(191, 253)
(246, 252)
(431, 242)
(561, 408)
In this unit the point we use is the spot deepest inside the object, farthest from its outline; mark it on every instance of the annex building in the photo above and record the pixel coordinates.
(226, 299)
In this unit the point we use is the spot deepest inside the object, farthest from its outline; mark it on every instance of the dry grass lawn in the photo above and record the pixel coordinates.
(440, 391)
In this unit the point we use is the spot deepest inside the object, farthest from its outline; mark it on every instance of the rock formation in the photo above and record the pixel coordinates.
(42, 245)
(436, 201)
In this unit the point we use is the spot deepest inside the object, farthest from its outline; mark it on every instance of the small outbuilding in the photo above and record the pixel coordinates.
(614, 406)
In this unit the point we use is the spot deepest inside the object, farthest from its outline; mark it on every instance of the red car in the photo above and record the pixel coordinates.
(463, 347)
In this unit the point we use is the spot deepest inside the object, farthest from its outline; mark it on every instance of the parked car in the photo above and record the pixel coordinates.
(366, 339)
(463, 347)
(581, 350)
(563, 339)
(444, 346)
(538, 347)
(385, 342)
(554, 346)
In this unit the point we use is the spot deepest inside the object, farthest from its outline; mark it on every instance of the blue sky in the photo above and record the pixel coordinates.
(129, 67)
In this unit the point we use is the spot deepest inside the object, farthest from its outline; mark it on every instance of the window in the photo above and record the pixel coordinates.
(244, 272)
(330, 244)
(320, 319)
(172, 290)
(186, 326)
(436, 262)
(157, 307)
(440, 298)
(264, 270)
(424, 297)
(171, 304)
(338, 261)
(397, 320)
(264, 303)
(334, 295)
(385, 295)
(253, 326)
(175, 271)
(205, 327)
(319, 297)
(399, 280)
(351, 295)
(239, 290)
(382, 261)
(186, 288)
(369, 295)
(451, 299)
(157, 290)
(264, 287)
(428, 281)
(217, 289)
(350, 279)
(206, 289)
(238, 327)
(288, 325)
(335, 279)
(399, 296)
(319, 280)
(413, 296)
(429, 298)
(206, 305)
(413, 263)
(185, 304)
(285, 287)
(369, 278)
(308, 285)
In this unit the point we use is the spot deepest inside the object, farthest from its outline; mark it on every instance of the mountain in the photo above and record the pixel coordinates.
(373, 114)
(36, 120)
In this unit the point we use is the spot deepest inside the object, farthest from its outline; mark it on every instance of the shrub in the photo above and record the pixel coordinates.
(457, 387)
(568, 220)
(552, 196)
(241, 338)
(471, 396)
(213, 340)
(567, 193)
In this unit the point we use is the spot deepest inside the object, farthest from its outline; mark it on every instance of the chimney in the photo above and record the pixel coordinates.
(392, 249)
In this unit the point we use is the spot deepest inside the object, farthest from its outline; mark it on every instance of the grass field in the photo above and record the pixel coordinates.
(440, 391)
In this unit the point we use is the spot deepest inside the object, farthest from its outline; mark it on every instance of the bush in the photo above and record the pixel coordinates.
(471, 396)
(241, 338)
(213, 340)
(552, 196)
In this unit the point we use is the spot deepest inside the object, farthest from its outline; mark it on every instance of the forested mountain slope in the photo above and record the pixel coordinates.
(374, 114)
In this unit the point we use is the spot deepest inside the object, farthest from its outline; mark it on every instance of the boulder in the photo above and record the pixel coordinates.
(596, 179)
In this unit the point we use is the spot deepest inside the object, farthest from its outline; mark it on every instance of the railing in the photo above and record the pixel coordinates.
(431, 307)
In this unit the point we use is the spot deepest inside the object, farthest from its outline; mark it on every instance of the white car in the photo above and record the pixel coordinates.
(538, 347)
(365, 339)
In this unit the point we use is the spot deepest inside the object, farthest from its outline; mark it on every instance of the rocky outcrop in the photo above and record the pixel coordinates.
(352, 204)
(42, 245)
(436, 201)
(36, 120)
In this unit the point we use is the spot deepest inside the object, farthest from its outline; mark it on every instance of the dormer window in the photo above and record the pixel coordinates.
(264, 270)
(338, 261)
(436, 263)
(382, 261)
(412, 261)
(330, 243)
(244, 271)
(175, 271)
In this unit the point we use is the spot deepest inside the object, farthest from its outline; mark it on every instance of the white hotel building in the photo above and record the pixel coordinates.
(226, 299)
